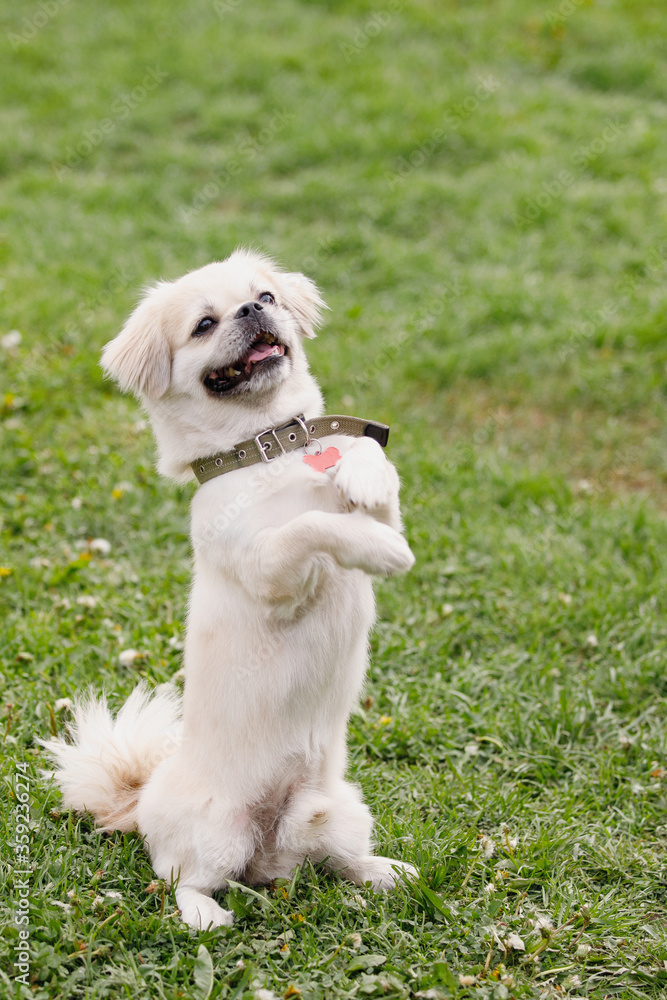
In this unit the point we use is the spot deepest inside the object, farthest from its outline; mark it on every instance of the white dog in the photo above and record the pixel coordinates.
(285, 540)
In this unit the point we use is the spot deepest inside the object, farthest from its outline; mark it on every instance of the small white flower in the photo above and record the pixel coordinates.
(355, 940)
(471, 749)
(175, 642)
(38, 563)
(100, 545)
(565, 599)
(63, 906)
(544, 924)
(487, 845)
(86, 601)
(467, 980)
(514, 941)
(77, 503)
(447, 609)
(124, 487)
(71, 893)
(360, 900)
(128, 656)
(592, 641)
(263, 994)
(625, 741)
(62, 703)
(97, 902)
(11, 339)
(112, 894)
(489, 888)
(582, 950)
(571, 982)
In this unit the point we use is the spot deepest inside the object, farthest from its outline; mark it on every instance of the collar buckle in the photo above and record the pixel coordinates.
(267, 445)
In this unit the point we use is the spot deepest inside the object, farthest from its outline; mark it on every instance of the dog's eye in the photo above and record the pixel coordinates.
(267, 297)
(203, 326)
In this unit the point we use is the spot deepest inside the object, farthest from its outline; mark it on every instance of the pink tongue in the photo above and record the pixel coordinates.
(258, 353)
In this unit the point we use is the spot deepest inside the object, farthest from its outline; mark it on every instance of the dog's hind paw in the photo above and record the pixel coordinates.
(200, 911)
(384, 873)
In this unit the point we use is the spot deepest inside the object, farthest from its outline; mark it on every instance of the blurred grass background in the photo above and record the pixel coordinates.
(480, 191)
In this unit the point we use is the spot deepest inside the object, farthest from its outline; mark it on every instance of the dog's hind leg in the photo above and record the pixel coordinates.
(343, 837)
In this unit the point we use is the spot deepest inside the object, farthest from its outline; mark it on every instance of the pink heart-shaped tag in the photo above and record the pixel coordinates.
(325, 460)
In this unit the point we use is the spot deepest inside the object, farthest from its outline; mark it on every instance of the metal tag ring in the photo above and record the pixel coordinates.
(313, 441)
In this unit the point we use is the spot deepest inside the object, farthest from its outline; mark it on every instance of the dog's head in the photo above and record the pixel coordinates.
(215, 347)
(229, 329)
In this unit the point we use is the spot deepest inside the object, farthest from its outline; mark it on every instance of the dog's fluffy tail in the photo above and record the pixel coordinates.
(103, 766)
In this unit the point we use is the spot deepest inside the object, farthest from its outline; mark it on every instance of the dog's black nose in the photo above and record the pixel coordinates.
(248, 309)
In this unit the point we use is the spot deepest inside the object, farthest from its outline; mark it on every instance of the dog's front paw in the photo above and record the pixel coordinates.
(364, 477)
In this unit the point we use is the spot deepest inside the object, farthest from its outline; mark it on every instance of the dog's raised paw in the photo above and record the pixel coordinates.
(364, 478)
(387, 552)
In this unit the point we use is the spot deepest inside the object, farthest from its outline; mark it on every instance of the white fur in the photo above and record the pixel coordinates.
(279, 614)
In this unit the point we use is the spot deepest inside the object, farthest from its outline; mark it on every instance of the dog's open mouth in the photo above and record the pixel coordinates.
(262, 353)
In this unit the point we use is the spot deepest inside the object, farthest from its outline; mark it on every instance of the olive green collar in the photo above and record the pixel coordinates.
(276, 441)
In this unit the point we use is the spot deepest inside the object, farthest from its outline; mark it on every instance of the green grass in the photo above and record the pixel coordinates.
(494, 254)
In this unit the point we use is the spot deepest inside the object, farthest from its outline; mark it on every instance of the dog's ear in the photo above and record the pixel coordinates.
(304, 301)
(139, 358)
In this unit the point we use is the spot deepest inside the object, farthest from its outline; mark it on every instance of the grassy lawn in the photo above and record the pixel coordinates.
(481, 192)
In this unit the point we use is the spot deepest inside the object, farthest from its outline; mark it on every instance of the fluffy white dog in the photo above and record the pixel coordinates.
(251, 780)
